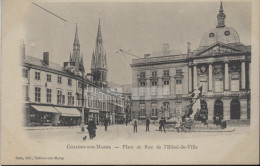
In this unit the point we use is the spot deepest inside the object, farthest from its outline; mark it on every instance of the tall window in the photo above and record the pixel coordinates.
(166, 73)
(218, 85)
(166, 82)
(179, 72)
(25, 73)
(142, 109)
(69, 82)
(154, 74)
(204, 84)
(37, 75)
(63, 99)
(166, 109)
(37, 94)
(59, 79)
(235, 83)
(154, 112)
(48, 95)
(166, 88)
(59, 96)
(178, 86)
(154, 83)
(142, 84)
(48, 78)
(70, 97)
(142, 74)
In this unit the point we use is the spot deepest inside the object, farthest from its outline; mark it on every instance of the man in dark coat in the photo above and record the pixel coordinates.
(135, 126)
(162, 123)
(147, 124)
(92, 128)
(105, 124)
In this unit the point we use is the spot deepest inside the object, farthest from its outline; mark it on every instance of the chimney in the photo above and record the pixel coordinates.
(22, 50)
(165, 49)
(188, 47)
(46, 58)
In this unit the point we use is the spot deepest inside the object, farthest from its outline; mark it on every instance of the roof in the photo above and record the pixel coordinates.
(225, 35)
(161, 53)
(39, 62)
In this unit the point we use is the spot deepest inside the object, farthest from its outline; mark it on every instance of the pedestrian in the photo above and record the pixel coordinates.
(147, 124)
(126, 122)
(106, 124)
(92, 128)
(162, 123)
(135, 126)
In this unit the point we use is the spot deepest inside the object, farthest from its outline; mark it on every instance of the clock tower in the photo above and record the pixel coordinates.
(221, 17)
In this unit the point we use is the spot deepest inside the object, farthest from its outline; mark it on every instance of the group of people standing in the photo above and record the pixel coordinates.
(147, 124)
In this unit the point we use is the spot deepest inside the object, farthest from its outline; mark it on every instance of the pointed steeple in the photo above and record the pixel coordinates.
(221, 17)
(221, 7)
(70, 60)
(76, 39)
(99, 63)
(99, 36)
(93, 62)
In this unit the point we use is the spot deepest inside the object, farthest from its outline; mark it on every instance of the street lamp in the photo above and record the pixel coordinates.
(82, 108)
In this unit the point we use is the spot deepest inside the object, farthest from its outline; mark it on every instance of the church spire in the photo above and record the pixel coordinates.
(221, 17)
(76, 39)
(98, 63)
(99, 36)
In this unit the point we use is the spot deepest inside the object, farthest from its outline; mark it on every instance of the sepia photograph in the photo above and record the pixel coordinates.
(127, 82)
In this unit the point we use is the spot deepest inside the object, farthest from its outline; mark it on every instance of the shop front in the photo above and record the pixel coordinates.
(41, 115)
(68, 116)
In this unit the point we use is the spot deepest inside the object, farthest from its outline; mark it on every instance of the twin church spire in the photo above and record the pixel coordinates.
(98, 63)
(75, 57)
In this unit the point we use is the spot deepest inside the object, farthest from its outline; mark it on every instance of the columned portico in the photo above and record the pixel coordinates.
(226, 76)
(243, 75)
(210, 77)
(195, 77)
(190, 79)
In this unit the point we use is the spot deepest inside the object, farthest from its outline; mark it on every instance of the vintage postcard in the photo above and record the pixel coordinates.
(129, 82)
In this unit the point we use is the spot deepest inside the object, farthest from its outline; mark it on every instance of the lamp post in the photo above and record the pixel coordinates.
(82, 100)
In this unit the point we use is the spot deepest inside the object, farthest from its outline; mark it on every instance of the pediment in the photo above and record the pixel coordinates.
(218, 49)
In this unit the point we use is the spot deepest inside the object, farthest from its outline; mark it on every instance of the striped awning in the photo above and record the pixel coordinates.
(45, 108)
(72, 112)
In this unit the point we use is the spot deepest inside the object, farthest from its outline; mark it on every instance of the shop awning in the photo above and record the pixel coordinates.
(94, 111)
(45, 108)
(72, 112)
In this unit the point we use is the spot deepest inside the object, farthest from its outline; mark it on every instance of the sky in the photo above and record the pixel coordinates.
(137, 28)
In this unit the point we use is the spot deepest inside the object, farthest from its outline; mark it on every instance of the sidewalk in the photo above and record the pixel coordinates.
(49, 127)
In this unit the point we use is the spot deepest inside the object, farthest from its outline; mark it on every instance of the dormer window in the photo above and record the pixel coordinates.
(227, 33)
(211, 34)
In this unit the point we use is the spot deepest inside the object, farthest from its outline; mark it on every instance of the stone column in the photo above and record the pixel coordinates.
(195, 83)
(243, 75)
(210, 77)
(226, 76)
(249, 75)
(190, 79)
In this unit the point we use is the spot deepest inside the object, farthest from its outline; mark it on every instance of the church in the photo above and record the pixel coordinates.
(162, 81)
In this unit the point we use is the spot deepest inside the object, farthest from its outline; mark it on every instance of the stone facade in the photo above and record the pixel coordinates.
(221, 65)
